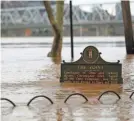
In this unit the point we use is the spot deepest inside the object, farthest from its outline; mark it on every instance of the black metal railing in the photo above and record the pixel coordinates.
(39, 96)
(9, 101)
(76, 94)
(82, 95)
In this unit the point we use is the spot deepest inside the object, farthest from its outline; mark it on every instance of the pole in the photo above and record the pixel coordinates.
(80, 31)
(71, 30)
(128, 27)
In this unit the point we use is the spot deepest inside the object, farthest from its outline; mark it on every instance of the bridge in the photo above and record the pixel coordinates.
(36, 17)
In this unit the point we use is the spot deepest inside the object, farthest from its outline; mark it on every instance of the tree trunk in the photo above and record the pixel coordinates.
(59, 19)
(57, 27)
(128, 27)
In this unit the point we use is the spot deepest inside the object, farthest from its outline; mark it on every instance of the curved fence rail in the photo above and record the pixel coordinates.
(110, 92)
(8, 101)
(131, 95)
(76, 94)
(86, 99)
(40, 96)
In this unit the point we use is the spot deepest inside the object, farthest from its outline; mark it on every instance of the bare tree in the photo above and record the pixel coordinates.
(57, 26)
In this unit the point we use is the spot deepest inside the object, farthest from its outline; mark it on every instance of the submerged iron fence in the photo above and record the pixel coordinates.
(65, 101)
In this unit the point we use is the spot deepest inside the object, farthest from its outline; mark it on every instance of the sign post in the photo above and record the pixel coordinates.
(71, 30)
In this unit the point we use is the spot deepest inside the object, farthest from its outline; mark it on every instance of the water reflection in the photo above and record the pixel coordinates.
(56, 60)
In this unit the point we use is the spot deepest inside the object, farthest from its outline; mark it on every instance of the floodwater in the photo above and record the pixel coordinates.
(27, 72)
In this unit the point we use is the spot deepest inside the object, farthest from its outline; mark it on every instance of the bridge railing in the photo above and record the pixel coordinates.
(102, 12)
(23, 15)
(88, 13)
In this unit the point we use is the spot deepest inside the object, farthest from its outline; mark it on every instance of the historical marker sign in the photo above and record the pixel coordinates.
(91, 68)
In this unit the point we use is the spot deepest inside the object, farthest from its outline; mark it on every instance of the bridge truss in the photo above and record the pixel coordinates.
(37, 16)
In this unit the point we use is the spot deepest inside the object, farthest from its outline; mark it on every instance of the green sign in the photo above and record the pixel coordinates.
(91, 68)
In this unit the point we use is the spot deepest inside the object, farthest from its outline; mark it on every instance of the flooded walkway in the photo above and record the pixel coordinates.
(27, 72)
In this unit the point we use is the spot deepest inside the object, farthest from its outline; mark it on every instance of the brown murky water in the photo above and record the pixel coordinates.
(27, 72)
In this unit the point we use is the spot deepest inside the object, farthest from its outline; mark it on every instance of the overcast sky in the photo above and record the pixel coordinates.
(93, 1)
(109, 7)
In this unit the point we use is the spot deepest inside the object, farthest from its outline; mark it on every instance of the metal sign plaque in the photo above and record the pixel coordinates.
(91, 68)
